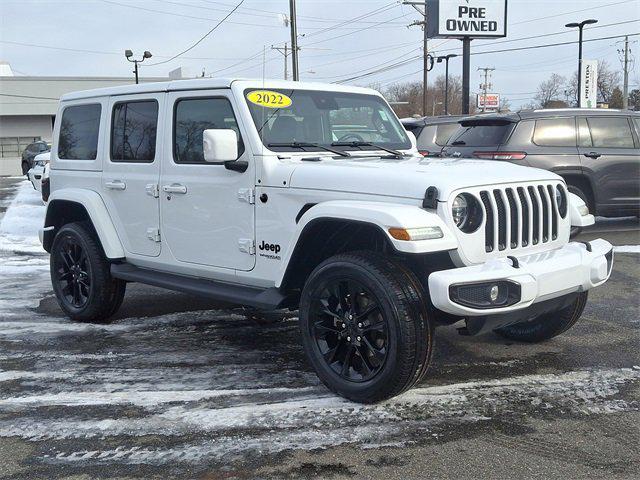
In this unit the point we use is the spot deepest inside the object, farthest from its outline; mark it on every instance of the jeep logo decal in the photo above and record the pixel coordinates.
(274, 248)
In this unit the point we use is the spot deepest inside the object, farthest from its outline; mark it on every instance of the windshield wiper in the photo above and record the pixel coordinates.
(367, 144)
(459, 142)
(304, 145)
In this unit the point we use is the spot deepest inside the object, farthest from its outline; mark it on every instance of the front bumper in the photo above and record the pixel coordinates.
(541, 277)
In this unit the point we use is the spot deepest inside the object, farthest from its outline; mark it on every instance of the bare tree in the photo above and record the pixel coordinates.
(550, 90)
(608, 80)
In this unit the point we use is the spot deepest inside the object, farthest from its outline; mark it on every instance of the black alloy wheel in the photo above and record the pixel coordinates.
(81, 275)
(349, 329)
(365, 327)
(72, 272)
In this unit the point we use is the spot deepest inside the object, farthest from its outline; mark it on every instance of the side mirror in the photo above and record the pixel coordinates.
(220, 146)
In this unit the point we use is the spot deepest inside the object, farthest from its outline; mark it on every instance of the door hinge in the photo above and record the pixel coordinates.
(247, 195)
(247, 245)
(153, 190)
(153, 234)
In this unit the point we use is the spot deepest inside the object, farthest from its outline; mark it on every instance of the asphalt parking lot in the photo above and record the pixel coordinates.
(178, 387)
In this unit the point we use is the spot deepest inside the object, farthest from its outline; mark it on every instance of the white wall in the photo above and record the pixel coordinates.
(22, 126)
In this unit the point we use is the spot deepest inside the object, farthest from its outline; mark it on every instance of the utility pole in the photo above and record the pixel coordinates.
(427, 62)
(625, 93)
(294, 39)
(284, 51)
(485, 86)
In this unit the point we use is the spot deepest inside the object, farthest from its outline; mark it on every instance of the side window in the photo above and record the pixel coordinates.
(192, 116)
(555, 132)
(133, 131)
(610, 132)
(79, 131)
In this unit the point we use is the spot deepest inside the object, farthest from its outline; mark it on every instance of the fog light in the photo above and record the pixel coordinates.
(503, 293)
(583, 210)
(493, 294)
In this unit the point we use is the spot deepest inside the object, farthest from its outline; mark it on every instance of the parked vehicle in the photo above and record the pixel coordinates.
(30, 153)
(45, 189)
(36, 172)
(596, 151)
(432, 133)
(276, 194)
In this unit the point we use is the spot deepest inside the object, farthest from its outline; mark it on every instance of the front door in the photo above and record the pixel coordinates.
(131, 171)
(610, 157)
(207, 210)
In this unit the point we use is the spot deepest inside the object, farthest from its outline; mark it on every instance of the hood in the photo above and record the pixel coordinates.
(410, 178)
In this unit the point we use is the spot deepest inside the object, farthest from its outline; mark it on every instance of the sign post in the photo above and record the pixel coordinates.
(589, 84)
(465, 20)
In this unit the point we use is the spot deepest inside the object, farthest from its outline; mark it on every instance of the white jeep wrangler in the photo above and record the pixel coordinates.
(274, 194)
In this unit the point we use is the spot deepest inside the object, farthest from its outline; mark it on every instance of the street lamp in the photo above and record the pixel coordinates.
(128, 54)
(580, 26)
(446, 59)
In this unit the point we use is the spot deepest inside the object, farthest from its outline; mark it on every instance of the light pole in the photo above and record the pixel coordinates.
(446, 59)
(580, 27)
(129, 54)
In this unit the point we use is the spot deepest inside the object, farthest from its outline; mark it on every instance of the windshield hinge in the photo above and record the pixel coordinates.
(247, 245)
(153, 234)
(247, 195)
(153, 190)
(430, 198)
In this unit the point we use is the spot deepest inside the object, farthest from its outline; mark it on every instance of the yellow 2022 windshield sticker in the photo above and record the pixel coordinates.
(269, 99)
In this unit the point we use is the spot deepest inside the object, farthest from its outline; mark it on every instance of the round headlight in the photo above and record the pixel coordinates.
(466, 212)
(460, 211)
(561, 201)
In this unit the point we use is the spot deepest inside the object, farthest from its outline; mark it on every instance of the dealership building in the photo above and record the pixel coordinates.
(28, 107)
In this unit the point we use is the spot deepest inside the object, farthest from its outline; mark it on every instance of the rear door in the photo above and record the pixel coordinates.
(132, 169)
(610, 156)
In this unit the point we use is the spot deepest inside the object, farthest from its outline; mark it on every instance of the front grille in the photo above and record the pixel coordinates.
(519, 217)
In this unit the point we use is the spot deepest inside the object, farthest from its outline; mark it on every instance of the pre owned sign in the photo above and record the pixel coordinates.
(468, 18)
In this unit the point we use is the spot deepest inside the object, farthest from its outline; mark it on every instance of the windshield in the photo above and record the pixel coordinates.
(294, 119)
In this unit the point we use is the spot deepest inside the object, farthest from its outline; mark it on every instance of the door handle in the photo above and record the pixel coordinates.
(174, 188)
(115, 185)
(592, 155)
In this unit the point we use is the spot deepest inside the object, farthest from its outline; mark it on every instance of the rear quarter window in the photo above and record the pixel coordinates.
(555, 132)
(79, 131)
(445, 132)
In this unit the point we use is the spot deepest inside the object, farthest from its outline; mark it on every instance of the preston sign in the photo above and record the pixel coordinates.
(466, 18)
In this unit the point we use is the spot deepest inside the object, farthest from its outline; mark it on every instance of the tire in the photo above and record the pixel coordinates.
(546, 326)
(81, 277)
(25, 169)
(386, 335)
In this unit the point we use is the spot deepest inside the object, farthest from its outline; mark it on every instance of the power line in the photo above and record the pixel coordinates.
(201, 38)
(574, 11)
(27, 96)
(531, 47)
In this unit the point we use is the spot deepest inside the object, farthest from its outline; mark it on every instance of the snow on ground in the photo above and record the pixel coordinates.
(627, 249)
(25, 216)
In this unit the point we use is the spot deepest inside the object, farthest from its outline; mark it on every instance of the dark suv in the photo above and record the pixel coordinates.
(29, 153)
(597, 152)
(432, 133)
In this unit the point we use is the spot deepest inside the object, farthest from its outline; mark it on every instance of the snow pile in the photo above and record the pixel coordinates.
(25, 216)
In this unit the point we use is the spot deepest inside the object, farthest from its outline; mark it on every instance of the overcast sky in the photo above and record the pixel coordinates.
(339, 39)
